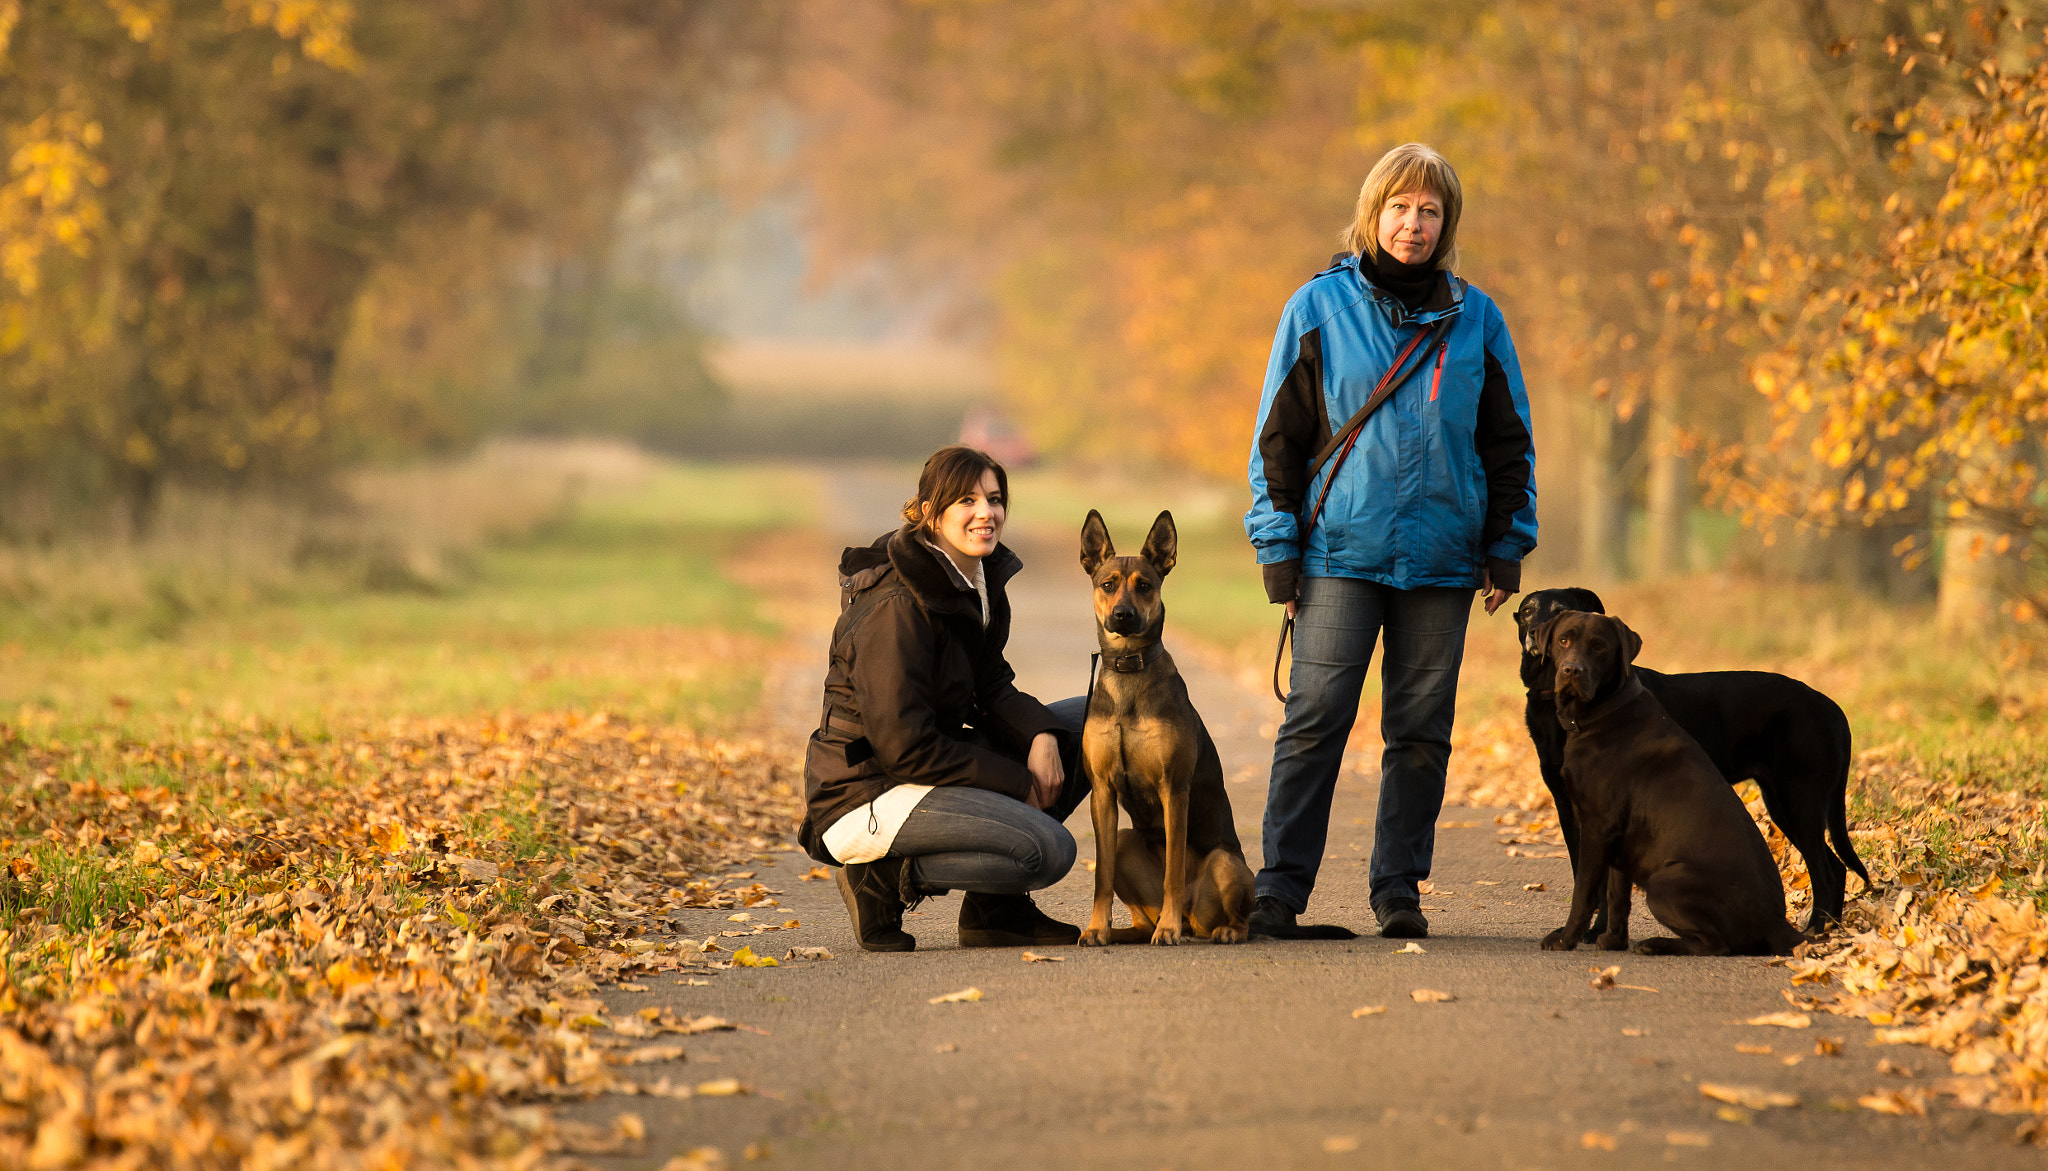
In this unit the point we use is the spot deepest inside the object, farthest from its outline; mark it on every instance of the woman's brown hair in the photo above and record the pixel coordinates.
(952, 472)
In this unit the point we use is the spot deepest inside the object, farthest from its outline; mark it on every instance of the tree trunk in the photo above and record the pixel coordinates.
(1599, 497)
(1972, 577)
(141, 492)
(1664, 551)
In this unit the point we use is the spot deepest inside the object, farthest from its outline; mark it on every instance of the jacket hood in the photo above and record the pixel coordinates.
(917, 566)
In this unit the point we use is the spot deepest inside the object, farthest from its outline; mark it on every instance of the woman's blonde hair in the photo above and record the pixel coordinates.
(1412, 166)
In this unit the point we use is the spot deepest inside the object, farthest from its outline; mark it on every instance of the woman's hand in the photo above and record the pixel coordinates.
(1493, 595)
(1048, 775)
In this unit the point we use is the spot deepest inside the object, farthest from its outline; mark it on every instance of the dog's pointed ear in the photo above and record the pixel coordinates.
(1096, 546)
(1161, 544)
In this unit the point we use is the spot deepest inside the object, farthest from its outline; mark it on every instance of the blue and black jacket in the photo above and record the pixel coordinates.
(1442, 480)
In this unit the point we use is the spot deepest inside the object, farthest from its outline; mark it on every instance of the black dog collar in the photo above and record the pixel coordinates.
(1131, 661)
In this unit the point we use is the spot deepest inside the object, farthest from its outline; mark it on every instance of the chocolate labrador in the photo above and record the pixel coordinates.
(1756, 726)
(1653, 811)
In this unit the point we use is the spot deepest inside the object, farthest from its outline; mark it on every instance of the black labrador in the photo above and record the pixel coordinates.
(1653, 811)
(1756, 726)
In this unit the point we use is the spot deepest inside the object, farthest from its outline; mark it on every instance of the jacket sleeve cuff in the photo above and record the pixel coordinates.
(1506, 575)
(1283, 580)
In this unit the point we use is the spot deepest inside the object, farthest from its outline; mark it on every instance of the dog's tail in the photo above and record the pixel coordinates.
(1838, 831)
(1838, 816)
(1311, 931)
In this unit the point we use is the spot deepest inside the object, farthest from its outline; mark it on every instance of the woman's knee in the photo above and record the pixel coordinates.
(1056, 851)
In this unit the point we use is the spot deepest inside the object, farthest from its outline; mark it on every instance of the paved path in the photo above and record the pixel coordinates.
(1234, 1057)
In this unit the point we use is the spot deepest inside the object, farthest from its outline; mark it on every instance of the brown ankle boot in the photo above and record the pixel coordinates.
(872, 902)
(1010, 921)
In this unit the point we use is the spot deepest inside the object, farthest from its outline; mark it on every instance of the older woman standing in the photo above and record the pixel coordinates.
(1436, 499)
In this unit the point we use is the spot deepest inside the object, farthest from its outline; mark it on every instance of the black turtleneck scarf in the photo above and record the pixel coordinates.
(1411, 284)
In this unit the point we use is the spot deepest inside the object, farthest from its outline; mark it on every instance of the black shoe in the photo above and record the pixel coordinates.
(1402, 919)
(1271, 917)
(872, 902)
(1010, 921)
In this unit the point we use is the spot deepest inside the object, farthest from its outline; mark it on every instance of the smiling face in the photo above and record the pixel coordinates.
(971, 525)
(1409, 225)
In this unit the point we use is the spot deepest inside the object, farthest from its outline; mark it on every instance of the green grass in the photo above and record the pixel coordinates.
(619, 602)
(75, 890)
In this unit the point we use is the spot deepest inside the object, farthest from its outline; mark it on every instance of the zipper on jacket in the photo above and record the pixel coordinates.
(1438, 381)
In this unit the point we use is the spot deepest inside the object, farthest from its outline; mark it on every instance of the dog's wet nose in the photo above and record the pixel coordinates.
(1122, 620)
(1572, 669)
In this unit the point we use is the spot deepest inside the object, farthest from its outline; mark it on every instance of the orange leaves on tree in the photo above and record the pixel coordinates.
(1909, 379)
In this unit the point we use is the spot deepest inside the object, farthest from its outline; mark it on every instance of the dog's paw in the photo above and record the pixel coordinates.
(1165, 936)
(1095, 937)
(1613, 941)
(1229, 935)
(1557, 941)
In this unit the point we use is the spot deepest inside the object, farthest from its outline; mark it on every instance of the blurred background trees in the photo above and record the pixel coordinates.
(1765, 262)
(1678, 205)
(247, 239)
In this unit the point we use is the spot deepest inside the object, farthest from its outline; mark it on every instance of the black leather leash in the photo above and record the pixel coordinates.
(1340, 445)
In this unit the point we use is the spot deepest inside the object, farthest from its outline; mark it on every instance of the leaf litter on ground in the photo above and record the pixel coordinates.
(240, 945)
(1946, 958)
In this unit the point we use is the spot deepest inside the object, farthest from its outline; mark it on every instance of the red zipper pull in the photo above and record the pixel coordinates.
(1438, 381)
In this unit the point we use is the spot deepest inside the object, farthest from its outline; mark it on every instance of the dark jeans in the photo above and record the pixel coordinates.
(1336, 623)
(959, 838)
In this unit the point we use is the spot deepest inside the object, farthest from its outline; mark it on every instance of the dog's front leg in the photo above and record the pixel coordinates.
(1596, 848)
(1173, 914)
(1102, 805)
(1620, 892)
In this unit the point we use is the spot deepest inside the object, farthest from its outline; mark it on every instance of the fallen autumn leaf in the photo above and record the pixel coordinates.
(1749, 1097)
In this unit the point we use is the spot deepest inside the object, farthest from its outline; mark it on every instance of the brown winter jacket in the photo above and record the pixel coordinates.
(917, 692)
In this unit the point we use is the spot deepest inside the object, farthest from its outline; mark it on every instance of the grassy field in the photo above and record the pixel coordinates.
(535, 587)
(314, 860)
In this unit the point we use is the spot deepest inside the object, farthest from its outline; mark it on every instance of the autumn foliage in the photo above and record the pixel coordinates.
(1676, 205)
(244, 240)
(1909, 368)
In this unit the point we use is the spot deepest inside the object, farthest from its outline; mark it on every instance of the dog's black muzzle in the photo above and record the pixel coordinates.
(1124, 620)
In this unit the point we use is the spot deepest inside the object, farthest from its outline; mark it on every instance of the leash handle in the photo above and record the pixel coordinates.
(1388, 384)
(1286, 629)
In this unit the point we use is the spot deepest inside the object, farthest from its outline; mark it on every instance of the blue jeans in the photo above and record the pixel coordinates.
(959, 838)
(1337, 620)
